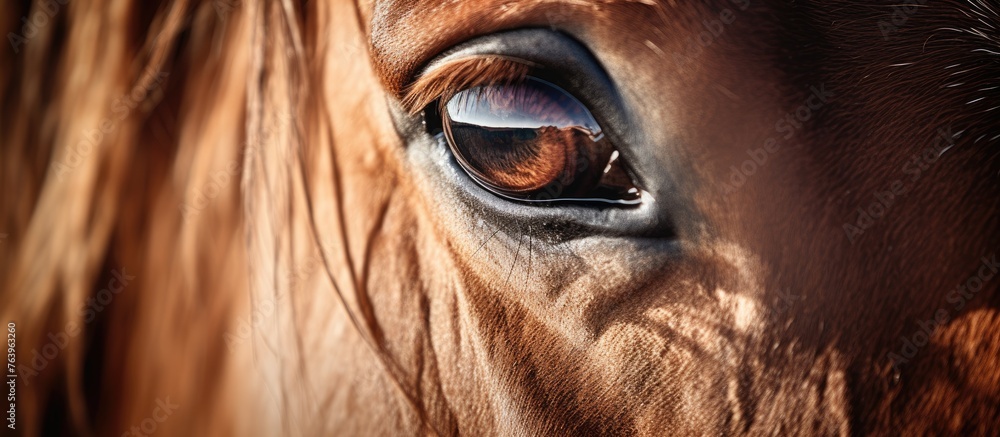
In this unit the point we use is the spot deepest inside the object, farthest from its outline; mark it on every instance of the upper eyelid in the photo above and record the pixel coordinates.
(551, 55)
(449, 77)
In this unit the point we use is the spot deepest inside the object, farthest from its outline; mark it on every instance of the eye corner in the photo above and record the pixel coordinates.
(431, 114)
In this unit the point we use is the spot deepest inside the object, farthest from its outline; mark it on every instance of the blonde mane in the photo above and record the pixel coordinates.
(128, 129)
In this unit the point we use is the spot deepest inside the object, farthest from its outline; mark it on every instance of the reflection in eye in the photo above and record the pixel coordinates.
(532, 141)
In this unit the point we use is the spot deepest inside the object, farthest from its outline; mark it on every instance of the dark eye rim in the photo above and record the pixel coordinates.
(561, 220)
(576, 70)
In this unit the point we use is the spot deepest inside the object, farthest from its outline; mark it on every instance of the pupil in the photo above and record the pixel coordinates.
(532, 141)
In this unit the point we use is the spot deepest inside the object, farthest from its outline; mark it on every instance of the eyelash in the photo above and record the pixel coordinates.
(447, 79)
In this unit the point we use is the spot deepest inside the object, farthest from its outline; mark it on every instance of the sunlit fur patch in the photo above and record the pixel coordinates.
(688, 362)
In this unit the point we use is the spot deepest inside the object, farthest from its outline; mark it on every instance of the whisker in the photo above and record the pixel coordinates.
(516, 253)
(528, 276)
(481, 246)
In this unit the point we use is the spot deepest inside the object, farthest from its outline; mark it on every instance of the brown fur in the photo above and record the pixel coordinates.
(395, 310)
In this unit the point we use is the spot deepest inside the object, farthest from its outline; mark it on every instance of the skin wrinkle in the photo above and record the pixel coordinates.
(821, 370)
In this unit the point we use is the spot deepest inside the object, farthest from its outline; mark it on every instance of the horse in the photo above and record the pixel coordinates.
(615, 217)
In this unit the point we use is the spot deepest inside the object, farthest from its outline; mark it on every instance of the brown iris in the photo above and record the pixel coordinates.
(530, 140)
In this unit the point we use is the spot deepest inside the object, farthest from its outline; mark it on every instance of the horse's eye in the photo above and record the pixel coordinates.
(532, 141)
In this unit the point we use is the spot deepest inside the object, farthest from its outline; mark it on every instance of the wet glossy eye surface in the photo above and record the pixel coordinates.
(532, 141)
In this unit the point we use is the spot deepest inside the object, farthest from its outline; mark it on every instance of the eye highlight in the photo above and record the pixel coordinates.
(530, 140)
